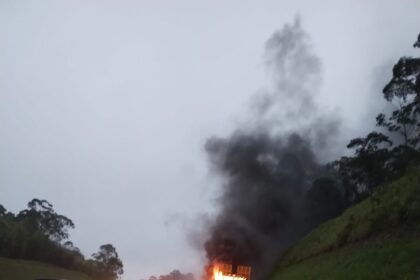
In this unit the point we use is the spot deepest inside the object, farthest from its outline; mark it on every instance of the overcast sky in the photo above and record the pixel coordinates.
(105, 105)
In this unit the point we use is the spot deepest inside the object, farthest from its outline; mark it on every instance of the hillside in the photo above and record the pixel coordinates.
(11, 269)
(378, 238)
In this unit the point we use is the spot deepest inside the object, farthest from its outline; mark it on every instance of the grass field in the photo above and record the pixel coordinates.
(11, 269)
(377, 239)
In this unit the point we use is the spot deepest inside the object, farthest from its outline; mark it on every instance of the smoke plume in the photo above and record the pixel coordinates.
(275, 185)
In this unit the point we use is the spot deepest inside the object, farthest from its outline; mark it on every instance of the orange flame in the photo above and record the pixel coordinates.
(218, 275)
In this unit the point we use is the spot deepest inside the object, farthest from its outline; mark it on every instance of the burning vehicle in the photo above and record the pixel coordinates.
(226, 271)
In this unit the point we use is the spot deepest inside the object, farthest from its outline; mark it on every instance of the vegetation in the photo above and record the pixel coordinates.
(383, 156)
(39, 233)
(376, 239)
(173, 275)
(11, 269)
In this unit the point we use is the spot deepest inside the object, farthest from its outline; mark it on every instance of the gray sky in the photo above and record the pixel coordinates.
(105, 105)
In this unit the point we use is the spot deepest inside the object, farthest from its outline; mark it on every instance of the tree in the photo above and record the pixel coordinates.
(362, 173)
(377, 159)
(3, 211)
(324, 199)
(173, 275)
(41, 216)
(417, 43)
(404, 92)
(70, 246)
(176, 275)
(108, 261)
(39, 233)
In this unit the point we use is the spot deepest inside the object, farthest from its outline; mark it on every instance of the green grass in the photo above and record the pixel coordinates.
(389, 257)
(375, 239)
(11, 269)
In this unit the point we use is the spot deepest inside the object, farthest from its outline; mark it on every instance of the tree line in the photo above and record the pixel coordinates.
(384, 154)
(39, 233)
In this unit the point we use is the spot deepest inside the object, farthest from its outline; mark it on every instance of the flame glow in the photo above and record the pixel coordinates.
(218, 275)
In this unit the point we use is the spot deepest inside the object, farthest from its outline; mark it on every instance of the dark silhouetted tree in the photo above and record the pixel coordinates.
(109, 264)
(3, 210)
(324, 199)
(41, 216)
(377, 160)
(404, 92)
(177, 275)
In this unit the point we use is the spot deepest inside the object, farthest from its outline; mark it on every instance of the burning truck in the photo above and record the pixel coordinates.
(227, 271)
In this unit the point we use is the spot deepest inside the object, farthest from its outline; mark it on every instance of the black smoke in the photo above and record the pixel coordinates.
(275, 184)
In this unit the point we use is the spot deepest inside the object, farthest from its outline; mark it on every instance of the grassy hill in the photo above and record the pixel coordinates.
(378, 238)
(11, 269)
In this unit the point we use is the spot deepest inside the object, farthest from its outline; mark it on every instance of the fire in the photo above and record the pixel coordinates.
(223, 271)
(218, 275)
